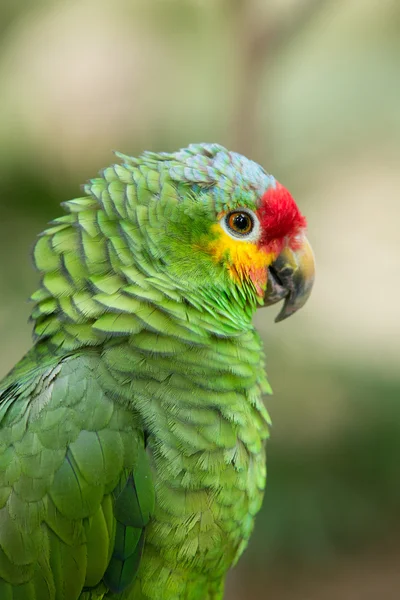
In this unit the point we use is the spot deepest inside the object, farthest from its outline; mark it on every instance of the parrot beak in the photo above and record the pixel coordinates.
(291, 277)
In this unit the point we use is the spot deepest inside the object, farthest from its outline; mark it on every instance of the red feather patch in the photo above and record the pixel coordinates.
(279, 217)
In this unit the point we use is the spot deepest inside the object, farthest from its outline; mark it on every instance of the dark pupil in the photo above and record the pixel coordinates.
(241, 222)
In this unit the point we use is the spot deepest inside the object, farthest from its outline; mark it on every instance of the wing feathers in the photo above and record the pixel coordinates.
(75, 486)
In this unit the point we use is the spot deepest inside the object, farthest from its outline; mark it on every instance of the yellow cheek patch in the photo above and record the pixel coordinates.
(244, 259)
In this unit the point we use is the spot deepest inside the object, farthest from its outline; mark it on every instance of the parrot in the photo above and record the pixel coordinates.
(133, 432)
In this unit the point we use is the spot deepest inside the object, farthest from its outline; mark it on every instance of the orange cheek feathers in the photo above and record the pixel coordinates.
(245, 260)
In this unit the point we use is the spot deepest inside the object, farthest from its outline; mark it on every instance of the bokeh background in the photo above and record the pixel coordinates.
(311, 90)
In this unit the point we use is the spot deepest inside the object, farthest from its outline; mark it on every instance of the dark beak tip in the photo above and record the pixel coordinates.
(284, 314)
(280, 318)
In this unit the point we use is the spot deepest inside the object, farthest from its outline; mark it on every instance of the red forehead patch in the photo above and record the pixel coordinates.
(279, 216)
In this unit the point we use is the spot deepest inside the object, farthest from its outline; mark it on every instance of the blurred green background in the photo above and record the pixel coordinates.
(311, 90)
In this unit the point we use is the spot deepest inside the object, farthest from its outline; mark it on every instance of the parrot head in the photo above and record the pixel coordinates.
(203, 234)
(234, 227)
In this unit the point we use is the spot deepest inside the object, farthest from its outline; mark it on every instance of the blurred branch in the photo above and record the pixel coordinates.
(258, 44)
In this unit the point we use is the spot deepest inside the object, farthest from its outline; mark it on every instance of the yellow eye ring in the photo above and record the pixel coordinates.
(240, 222)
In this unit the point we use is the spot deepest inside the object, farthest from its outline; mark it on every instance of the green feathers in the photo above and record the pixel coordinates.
(132, 436)
(135, 247)
(72, 452)
(133, 507)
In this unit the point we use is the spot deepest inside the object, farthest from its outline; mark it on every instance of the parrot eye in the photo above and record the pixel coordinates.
(241, 224)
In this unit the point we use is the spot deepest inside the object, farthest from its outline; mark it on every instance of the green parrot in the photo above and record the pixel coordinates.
(132, 434)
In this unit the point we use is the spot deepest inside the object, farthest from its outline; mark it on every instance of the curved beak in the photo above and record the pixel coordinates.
(291, 277)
